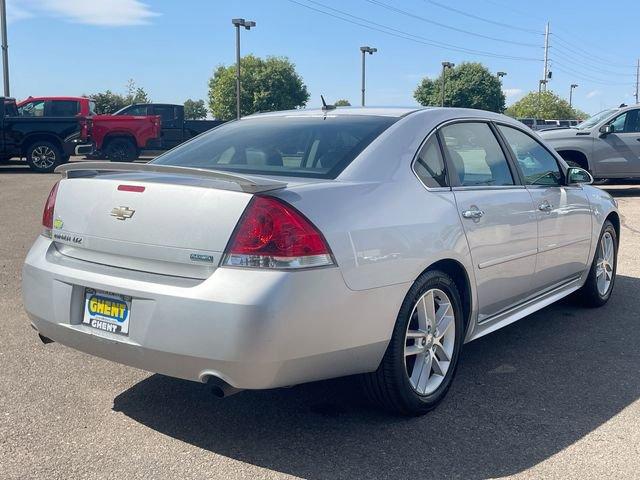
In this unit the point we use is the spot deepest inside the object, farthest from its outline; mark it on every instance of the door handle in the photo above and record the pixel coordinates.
(474, 213)
(545, 207)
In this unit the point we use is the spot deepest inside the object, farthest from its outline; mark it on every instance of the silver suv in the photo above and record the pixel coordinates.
(607, 144)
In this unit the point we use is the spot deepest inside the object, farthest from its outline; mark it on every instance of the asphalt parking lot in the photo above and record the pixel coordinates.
(554, 396)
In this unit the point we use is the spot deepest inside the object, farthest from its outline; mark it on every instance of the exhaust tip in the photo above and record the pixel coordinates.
(220, 388)
(44, 339)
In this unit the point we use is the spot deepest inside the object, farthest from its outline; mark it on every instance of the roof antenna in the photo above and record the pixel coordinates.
(325, 106)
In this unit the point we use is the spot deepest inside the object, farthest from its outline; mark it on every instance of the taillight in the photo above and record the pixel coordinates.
(86, 125)
(273, 234)
(47, 213)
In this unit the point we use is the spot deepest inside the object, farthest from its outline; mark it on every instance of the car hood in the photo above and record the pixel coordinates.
(561, 133)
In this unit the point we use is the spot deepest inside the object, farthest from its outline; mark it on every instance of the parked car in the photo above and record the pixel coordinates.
(533, 123)
(118, 138)
(175, 129)
(45, 142)
(607, 144)
(296, 246)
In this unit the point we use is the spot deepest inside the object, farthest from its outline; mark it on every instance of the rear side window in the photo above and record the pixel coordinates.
(32, 109)
(429, 165)
(64, 108)
(476, 155)
(303, 146)
(537, 164)
(166, 113)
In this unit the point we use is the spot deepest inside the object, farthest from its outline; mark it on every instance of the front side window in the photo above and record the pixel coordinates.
(476, 155)
(628, 122)
(64, 108)
(32, 109)
(304, 146)
(429, 165)
(537, 164)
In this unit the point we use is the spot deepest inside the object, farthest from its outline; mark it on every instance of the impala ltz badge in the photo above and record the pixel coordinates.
(122, 213)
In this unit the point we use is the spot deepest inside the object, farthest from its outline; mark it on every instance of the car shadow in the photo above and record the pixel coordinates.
(521, 395)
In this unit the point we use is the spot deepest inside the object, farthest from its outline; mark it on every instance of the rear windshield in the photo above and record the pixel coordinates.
(319, 147)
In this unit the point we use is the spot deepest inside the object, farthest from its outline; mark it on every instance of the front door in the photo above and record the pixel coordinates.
(618, 153)
(497, 215)
(563, 212)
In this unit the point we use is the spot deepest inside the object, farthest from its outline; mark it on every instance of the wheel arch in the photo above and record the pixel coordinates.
(576, 156)
(614, 218)
(119, 136)
(38, 137)
(459, 274)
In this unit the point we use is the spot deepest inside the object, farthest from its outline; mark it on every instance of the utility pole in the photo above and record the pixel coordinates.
(5, 47)
(247, 24)
(637, 80)
(545, 74)
(573, 85)
(370, 51)
(445, 65)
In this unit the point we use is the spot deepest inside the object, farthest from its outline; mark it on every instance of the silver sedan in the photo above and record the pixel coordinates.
(297, 246)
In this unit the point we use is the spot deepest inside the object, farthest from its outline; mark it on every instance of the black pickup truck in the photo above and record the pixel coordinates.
(45, 142)
(175, 129)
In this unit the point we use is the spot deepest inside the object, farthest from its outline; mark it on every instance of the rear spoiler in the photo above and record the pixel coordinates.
(247, 183)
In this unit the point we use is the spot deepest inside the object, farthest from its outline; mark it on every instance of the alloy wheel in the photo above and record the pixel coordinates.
(43, 157)
(429, 341)
(604, 264)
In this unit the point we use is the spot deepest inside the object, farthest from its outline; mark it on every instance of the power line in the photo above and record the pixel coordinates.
(356, 20)
(565, 57)
(588, 78)
(449, 27)
(486, 20)
(588, 55)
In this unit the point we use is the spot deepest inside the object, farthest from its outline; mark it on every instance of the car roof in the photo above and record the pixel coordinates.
(31, 99)
(340, 111)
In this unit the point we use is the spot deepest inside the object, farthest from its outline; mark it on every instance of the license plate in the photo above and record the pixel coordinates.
(107, 311)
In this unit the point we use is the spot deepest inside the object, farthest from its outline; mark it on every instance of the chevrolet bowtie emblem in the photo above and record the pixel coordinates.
(122, 213)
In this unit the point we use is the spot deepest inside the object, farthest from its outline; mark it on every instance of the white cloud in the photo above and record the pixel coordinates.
(111, 13)
(593, 93)
(512, 92)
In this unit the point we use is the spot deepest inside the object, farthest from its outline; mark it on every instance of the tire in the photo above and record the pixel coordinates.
(593, 293)
(396, 385)
(121, 150)
(43, 156)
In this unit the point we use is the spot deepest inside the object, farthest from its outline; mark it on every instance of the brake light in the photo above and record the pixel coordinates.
(86, 125)
(273, 234)
(47, 213)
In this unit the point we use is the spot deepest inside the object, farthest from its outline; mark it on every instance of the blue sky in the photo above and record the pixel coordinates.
(170, 47)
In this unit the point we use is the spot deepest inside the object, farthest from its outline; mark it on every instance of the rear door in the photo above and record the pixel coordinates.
(171, 126)
(496, 212)
(563, 212)
(618, 153)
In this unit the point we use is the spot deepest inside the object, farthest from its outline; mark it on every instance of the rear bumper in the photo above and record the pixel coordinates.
(253, 329)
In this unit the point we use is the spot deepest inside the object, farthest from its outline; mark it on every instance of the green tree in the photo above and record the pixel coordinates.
(468, 85)
(109, 102)
(342, 103)
(194, 109)
(544, 105)
(267, 85)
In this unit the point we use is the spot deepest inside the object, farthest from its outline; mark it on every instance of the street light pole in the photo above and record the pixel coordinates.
(445, 65)
(501, 74)
(370, 51)
(5, 47)
(573, 85)
(247, 24)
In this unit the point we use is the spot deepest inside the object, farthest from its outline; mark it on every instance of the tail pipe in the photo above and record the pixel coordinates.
(220, 388)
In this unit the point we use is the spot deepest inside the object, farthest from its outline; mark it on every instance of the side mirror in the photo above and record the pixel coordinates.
(578, 176)
(607, 129)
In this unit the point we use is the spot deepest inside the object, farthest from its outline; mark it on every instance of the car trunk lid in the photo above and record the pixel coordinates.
(159, 219)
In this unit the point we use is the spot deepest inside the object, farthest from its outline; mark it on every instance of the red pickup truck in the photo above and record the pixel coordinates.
(119, 138)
